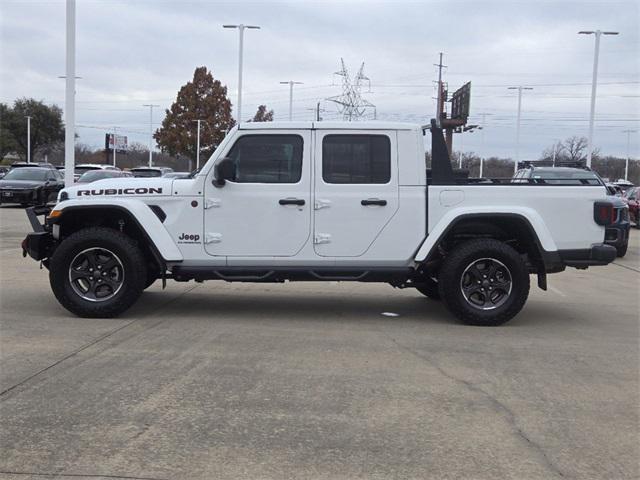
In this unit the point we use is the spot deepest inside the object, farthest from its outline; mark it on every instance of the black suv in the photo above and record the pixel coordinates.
(617, 234)
(30, 185)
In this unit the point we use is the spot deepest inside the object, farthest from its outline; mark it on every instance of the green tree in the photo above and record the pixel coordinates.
(263, 115)
(204, 99)
(7, 142)
(47, 127)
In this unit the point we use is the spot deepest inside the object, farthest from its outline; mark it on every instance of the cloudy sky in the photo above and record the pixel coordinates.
(141, 51)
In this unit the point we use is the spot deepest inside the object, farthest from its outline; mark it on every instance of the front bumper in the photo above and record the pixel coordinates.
(40, 243)
(18, 196)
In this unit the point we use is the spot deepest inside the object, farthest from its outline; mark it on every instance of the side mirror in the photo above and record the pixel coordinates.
(223, 171)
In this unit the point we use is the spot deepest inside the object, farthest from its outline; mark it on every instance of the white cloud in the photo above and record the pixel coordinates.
(133, 52)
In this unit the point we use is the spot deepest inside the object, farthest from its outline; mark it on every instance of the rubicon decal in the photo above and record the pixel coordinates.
(121, 191)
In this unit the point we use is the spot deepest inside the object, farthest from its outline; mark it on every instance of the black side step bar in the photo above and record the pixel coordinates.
(280, 274)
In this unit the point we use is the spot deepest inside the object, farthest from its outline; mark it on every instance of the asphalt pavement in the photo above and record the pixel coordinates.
(318, 381)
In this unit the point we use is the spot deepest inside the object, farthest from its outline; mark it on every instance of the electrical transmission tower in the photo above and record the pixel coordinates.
(351, 104)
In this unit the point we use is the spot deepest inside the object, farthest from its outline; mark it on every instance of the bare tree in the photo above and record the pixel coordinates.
(553, 152)
(575, 148)
(572, 149)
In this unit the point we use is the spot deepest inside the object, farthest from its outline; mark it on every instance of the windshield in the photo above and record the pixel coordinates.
(35, 174)
(93, 175)
(146, 173)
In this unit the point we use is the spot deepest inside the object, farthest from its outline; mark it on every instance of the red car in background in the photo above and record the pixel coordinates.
(632, 198)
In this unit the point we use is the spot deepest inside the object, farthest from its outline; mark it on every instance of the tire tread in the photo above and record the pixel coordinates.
(455, 263)
(109, 238)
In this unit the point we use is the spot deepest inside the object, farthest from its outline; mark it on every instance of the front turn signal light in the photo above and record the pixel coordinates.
(54, 214)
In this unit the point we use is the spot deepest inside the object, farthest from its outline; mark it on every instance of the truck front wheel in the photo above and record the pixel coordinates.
(97, 272)
(484, 282)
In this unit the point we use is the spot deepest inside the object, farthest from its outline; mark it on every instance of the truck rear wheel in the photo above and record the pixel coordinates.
(484, 282)
(622, 249)
(97, 272)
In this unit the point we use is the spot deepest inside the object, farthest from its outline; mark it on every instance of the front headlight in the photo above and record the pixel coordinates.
(62, 196)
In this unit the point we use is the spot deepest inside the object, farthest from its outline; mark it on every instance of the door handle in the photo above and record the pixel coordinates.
(373, 201)
(291, 201)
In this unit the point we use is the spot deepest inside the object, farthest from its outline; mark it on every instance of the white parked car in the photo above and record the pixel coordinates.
(85, 167)
(323, 202)
(149, 172)
(177, 175)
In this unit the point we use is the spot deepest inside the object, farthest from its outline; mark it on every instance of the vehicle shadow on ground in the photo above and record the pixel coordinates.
(328, 307)
(229, 306)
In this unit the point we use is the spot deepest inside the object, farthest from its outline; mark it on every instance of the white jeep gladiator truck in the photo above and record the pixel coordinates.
(321, 202)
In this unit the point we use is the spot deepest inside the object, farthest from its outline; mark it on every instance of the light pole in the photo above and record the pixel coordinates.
(557, 146)
(115, 145)
(439, 100)
(150, 105)
(28, 139)
(316, 112)
(481, 158)
(240, 28)
(520, 88)
(626, 164)
(198, 143)
(461, 147)
(594, 83)
(482, 127)
(69, 95)
(291, 83)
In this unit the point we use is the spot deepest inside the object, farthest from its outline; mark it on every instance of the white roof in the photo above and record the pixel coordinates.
(369, 125)
(93, 165)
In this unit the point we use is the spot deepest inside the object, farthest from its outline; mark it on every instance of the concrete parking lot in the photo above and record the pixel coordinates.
(311, 380)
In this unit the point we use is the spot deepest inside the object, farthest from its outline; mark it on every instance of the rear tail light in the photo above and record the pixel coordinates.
(604, 213)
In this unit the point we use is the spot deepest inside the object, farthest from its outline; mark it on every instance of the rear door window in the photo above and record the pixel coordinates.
(359, 159)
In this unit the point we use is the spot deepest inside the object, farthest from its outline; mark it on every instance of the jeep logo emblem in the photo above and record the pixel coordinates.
(189, 238)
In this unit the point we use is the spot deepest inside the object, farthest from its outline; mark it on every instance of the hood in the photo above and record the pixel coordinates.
(20, 183)
(122, 187)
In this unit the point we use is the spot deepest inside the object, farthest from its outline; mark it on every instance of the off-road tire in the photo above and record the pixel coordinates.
(127, 251)
(622, 250)
(451, 275)
(429, 288)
